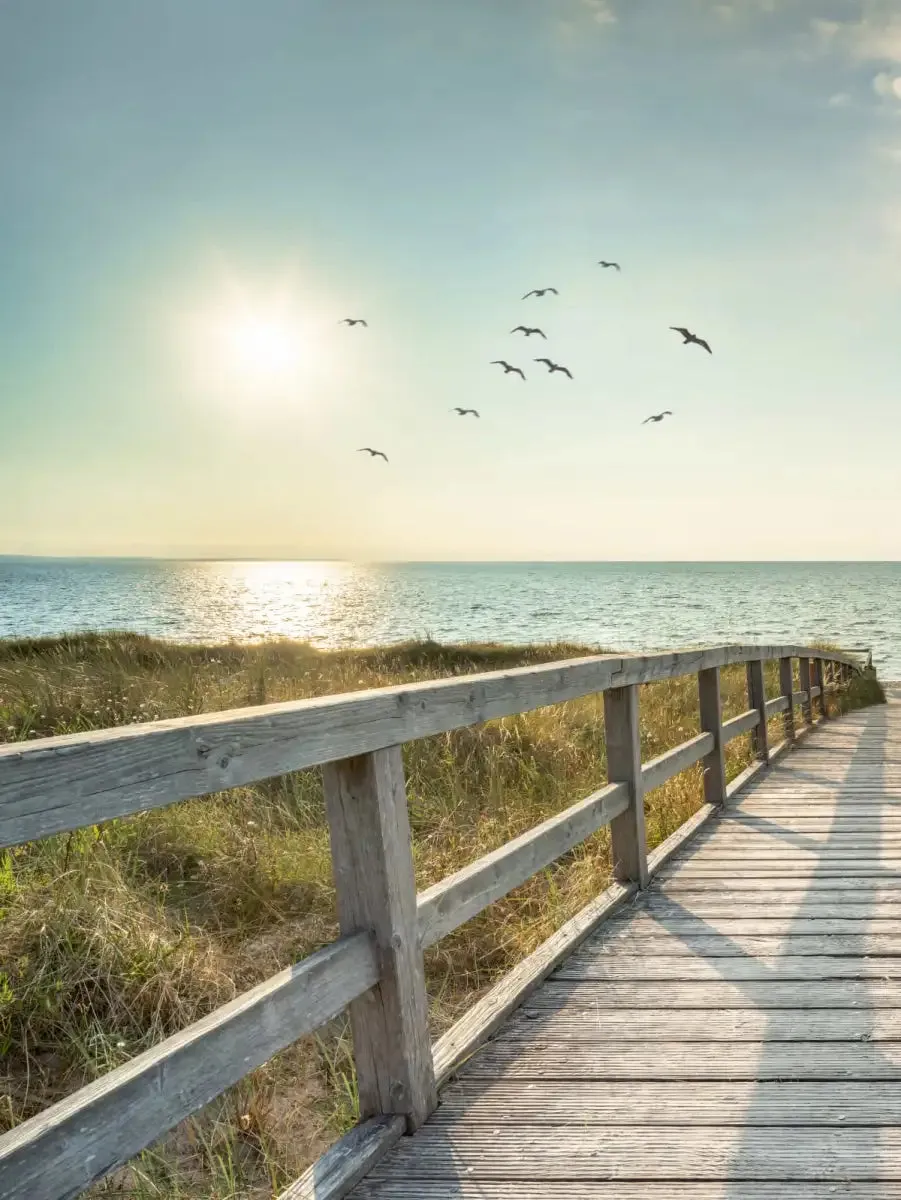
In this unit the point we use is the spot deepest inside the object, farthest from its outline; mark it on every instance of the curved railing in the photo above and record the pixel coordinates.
(376, 967)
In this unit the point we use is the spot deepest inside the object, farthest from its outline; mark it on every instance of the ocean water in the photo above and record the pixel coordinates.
(621, 606)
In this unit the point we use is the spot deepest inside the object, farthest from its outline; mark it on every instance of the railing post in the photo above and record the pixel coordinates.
(804, 684)
(712, 722)
(820, 678)
(787, 686)
(628, 843)
(366, 805)
(757, 700)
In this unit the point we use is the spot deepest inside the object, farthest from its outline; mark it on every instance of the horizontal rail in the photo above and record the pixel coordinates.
(799, 698)
(658, 770)
(56, 784)
(777, 705)
(457, 899)
(64, 1149)
(743, 723)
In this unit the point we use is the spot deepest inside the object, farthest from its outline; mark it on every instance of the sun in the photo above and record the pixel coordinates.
(262, 348)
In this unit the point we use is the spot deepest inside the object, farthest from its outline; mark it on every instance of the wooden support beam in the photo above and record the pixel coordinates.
(820, 681)
(787, 686)
(628, 843)
(806, 703)
(757, 700)
(712, 722)
(366, 805)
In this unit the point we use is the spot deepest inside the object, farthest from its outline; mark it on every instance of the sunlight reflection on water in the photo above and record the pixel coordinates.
(627, 606)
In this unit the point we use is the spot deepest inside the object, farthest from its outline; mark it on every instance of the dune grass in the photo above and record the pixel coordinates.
(114, 937)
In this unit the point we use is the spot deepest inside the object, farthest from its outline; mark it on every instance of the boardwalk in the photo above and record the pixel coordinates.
(734, 1033)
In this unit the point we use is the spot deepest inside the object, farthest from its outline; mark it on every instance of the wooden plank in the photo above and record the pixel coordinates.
(402, 1188)
(786, 685)
(778, 968)
(608, 945)
(658, 770)
(488, 1014)
(846, 1030)
(366, 806)
(797, 925)
(775, 706)
(757, 701)
(662, 853)
(455, 900)
(744, 723)
(804, 700)
(346, 1162)
(834, 906)
(54, 784)
(470, 1102)
(820, 681)
(572, 1060)
(723, 994)
(688, 1153)
(628, 841)
(710, 703)
(62, 1150)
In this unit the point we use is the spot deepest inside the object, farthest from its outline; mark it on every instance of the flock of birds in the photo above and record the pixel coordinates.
(688, 339)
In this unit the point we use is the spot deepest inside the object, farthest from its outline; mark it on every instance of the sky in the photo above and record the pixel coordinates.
(195, 194)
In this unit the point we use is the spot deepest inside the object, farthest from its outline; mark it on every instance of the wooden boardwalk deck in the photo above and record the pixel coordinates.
(735, 1032)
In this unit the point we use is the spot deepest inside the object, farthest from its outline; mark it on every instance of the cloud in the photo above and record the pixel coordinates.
(875, 36)
(887, 85)
(839, 100)
(601, 11)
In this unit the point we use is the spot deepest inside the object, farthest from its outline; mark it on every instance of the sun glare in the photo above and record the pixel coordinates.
(263, 348)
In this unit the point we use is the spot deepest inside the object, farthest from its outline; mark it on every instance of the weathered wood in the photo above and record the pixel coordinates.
(885, 993)
(681, 837)
(775, 706)
(757, 701)
(59, 1152)
(657, 771)
(346, 1162)
(366, 805)
(778, 968)
(745, 722)
(628, 843)
(54, 784)
(399, 1188)
(712, 723)
(652, 1152)
(615, 940)
(489, 1013)
(787, 685)
(456, 899)
(805, 701)
(820, 681)
(722, 1102)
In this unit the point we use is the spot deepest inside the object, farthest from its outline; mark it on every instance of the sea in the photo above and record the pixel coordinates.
(615, 606)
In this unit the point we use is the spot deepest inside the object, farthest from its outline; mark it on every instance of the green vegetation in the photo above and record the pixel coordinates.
(114, 937)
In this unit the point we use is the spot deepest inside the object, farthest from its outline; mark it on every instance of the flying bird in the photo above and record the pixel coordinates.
(354, 321)
(373, 453)
(688, 337)
(605, 265)
(462, 412)
(657, 416)
(499, 362)
(540, 292)
(552, 366)
(529, 330)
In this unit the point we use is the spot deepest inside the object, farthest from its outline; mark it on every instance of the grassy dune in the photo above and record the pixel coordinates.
(114, 937)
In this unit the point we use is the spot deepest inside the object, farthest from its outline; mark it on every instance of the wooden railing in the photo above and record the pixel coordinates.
(376, 967)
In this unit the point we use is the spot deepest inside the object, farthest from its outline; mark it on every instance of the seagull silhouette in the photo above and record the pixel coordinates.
(540, 292)
(462, 412)
(499, 362)
(354, 321)
(688, 337)
(529, 330)
(374, 453)
(605, 265)
(657, 416)
(552, 367)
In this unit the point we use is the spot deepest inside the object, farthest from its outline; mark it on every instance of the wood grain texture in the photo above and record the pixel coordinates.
(628, 840)
(711, 707)
(366, 806)
(489, 1013)
(55, 784)
(398, 1188)
(757, 702)
(458, 898)
(657, 771)
(62, 1150)
(744, 723)
(346, 1162)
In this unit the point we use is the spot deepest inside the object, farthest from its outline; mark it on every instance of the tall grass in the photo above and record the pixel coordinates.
(114, 937)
